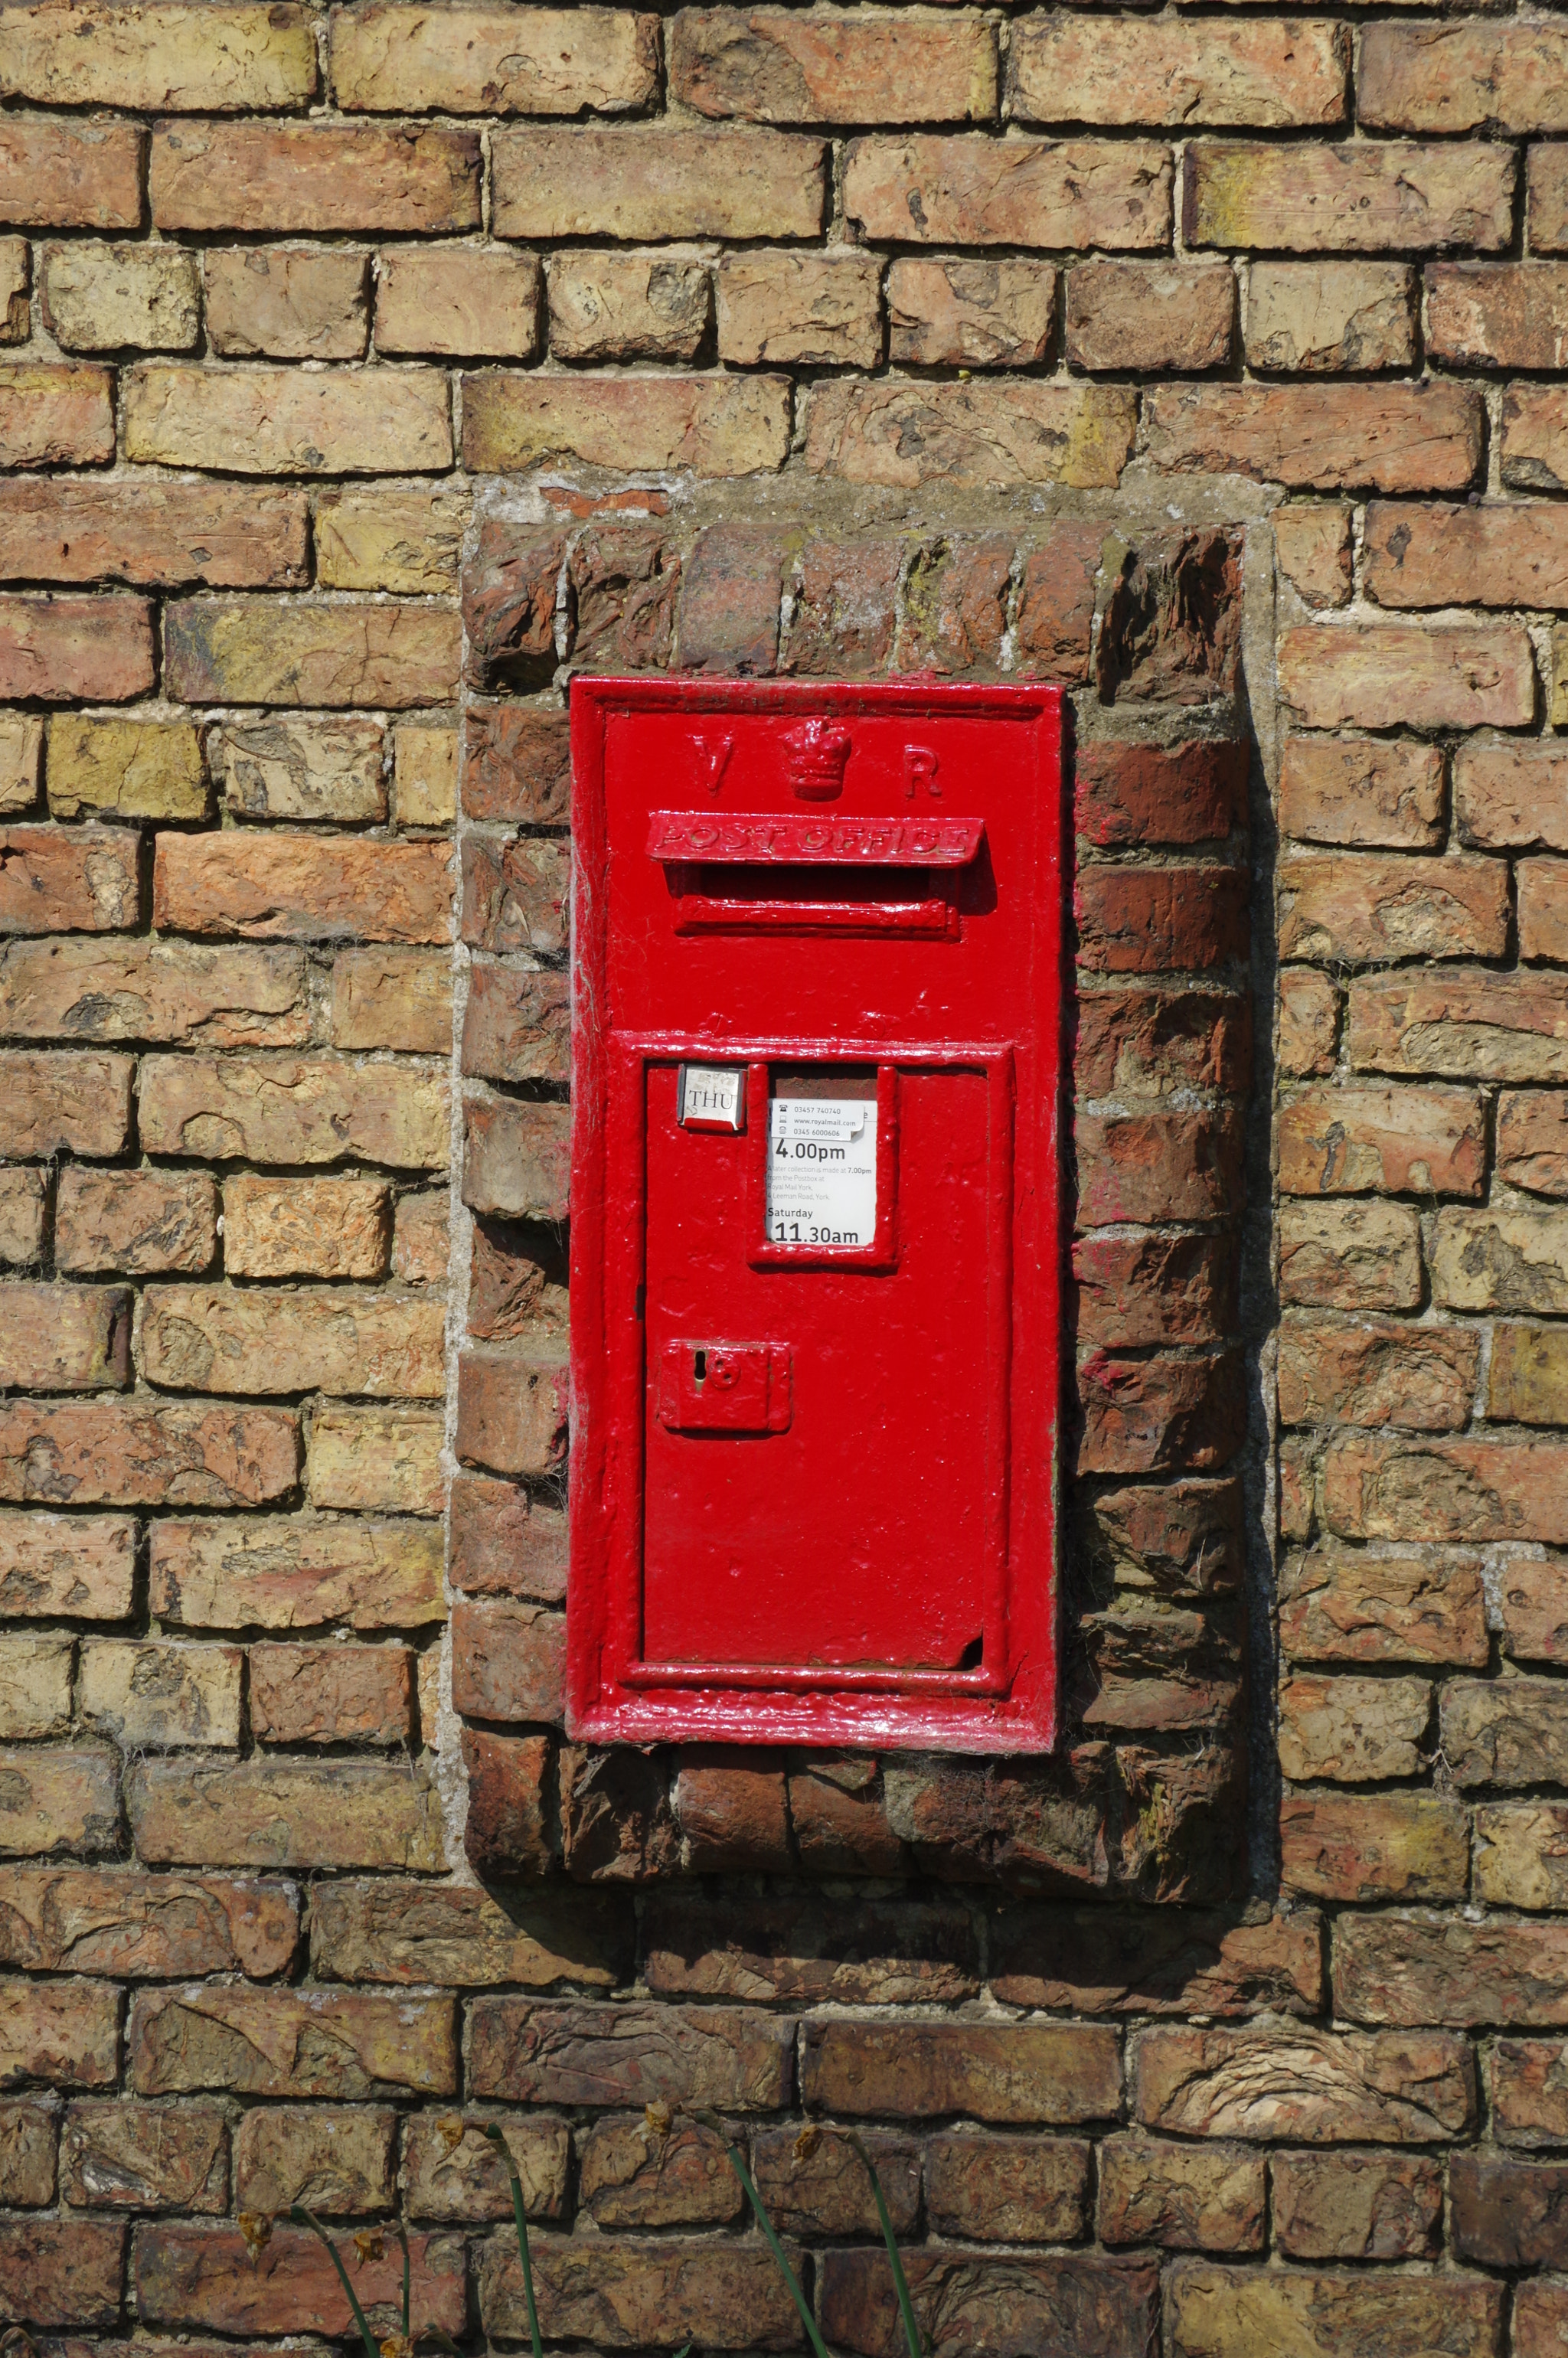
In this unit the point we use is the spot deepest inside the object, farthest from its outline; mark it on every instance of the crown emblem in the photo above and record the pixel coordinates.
(816, 756)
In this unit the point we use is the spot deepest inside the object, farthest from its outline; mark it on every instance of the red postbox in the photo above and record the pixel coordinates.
(816, 1073)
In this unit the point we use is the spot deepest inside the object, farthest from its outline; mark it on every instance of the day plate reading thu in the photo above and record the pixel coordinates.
(713, 1096)
(822, 1171)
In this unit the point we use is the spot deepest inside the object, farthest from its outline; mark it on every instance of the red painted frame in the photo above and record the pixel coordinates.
(1009, 1703)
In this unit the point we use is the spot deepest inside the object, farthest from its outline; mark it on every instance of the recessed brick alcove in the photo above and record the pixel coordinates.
(1145, 1799)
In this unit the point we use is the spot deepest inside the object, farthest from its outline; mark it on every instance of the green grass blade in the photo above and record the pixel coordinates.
(403, 2239)
(493, 2132)
(303, 2218)
(777, 2249)
(900, 2282)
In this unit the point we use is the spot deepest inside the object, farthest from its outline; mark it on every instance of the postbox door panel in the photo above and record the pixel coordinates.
(860, 1530)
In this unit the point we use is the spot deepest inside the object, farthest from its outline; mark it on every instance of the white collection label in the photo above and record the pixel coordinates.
(822, 1171)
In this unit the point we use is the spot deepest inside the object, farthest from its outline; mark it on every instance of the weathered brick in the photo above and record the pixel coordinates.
(149, 1696)
(1369, 1846)
(632, 2174)
(1533, 1140)
(512, 1410)
(55, 415)
(1383, 675)
(503, 1543)
(75, 1102)
(1148, 316)
(390, 537)
(1542, 902)
(523, 2052)
(489, 60)
(301, 768)
(1352, 1256)
(1179, 71)
(518, 765)
(282, 420)
(816, 2184)
(286, 303)
(1143, 920)
(314, 175)
(1510, 796)
(1464, 77)
(58, 1338)
(75, 1567)
(508, 1829)
(1281, 2083)
(228, 1338)
(627, 307)
(1145, 1416)
(1352, 1730)
(1530, 1373)
(946, 312)
(375, 1460)
(1367, 791)
(460, 299)
(59, 1800)
(882, 1952)
(1361, 198)
(145, 1453)
(1510, 1734)
(1508, 2214)
(21, 753)
(1357, 2206)
(118, 1921)
(1152, 1043)
(1341, 1604)
(773, 66)
(426, 776)
(297, 1227)
(64, 2034)
(1456, 1489)
(292, 1109)
(1546, 197)
(28, 2154)
(931, 190)
(35, 1686)
(1188, 793)
(1002, 432)
(628, 2293)
(1320, 318)
(1188, 2197)
(1462, 1021)
(1521, 1854)
(392, 999)
(67, 880)
(153, 535)
(285, 1813)
(1507, 1260)
(1426, 1968)
(133, 769)
(337, 2160)
(1155, 1289)
(62, 650)
(210, 2277)
(507, 1660)
(1423, 438)
(16, 278)
(712, 425)
(1178, 1540)
(954, 600)
(1399, 1141)
(1094, 2303)
(1534, 439)
(1497, 315)
(117, 2157)
(98, 298)
(61, 2272)
(1524, 2077)
(23, 1196)
(166, 59)
(517, 1159)
(997, 2073)
(452, 2171)
(254, 651)
(383, 1931)
(1228, 2313)
(1010, 2189)
(1165, 1166)
(586, 181)
(786, 307)
(1540, 2314)
(1313, 545)
(299, 1572)
(421, 1239)
(728, 615)
(56, 173)
(516, 1025)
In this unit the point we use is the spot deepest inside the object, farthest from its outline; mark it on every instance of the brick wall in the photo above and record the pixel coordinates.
(366, 369)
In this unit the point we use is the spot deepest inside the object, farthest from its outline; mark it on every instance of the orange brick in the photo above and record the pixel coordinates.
(584, 180)
(1319, 317)
(1512, 794)
(1535, 438)
(936, 190)
(1006, 432)
(781, 307)
(269, 886)
(1414, 438)
(314, 175)
(64, 1338)
(1385, 677)
(73, 1102)
(1398, 1141)
(290, 1109)
(65, 650)
(305, 1227)
(262, 421)
(60, 174)
(1546, 200)
(330, 1695)
(1367, 197)
(713, 425)
(1371, 905)
(1498, 554)
(837, 65)
(489, 61)
(469, 300)
(147, 1452)
(153, 535)
(58, 880)
(292, 304)
(1182, 71)
(1433, 76)
(1130, 315)
(945, 312)
(1511, 315)
(56, 415)
(1363, 791)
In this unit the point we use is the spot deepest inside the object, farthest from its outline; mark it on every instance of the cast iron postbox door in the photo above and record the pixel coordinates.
(816, 1007)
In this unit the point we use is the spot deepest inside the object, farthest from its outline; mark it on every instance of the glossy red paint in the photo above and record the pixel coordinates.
(815, 1343)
